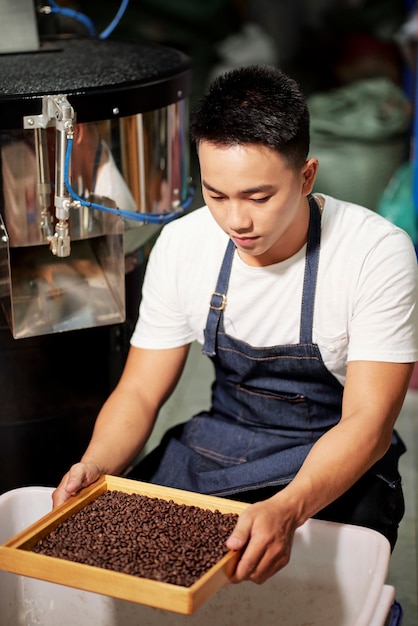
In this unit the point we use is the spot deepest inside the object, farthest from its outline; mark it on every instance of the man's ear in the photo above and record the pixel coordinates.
(309, 172)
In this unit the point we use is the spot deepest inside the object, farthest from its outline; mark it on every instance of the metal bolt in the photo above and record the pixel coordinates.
(30, 121)
(115, 111)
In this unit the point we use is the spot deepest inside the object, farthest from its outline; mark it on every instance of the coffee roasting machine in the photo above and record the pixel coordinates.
(94, 159)
(93, 143)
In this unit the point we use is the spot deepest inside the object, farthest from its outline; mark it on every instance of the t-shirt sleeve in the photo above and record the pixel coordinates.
(384, 324)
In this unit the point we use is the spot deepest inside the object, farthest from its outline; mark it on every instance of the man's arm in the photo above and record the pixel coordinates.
(373, 397)
(126, 419)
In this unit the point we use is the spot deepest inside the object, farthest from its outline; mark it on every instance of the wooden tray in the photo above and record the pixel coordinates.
(16, 555)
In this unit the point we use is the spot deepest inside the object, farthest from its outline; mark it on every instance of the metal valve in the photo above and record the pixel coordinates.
(58, 112)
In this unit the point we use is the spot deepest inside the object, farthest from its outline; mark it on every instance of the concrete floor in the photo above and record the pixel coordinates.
(193, 395)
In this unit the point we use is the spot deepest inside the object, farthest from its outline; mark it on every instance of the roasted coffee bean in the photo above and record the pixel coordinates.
(142, 536)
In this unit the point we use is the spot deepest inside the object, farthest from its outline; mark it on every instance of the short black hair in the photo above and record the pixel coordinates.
(257, 104)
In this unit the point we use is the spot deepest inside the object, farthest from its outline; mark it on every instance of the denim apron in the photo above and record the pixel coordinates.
(269, 404)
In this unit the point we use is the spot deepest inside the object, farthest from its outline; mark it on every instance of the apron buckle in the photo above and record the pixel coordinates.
(218, 306)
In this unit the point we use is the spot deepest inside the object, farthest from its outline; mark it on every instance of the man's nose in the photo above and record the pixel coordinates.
(239, 217)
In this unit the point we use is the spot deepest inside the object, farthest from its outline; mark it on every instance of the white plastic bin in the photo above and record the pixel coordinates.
(336, 577)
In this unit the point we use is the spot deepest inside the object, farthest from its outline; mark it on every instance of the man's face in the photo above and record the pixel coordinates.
(257, 199)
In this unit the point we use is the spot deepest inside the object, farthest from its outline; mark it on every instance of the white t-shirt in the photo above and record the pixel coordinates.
(366, 294)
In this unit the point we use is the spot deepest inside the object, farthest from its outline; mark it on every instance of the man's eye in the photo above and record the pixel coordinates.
(216, 197)
(261, 200)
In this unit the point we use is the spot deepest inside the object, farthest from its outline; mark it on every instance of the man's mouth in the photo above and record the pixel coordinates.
(244, 241)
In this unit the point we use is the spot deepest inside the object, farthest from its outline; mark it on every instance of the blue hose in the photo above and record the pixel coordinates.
(146, 218)
(80, 17)
(115, 21)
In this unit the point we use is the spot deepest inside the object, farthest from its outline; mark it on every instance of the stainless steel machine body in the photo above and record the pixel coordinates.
(112, 117)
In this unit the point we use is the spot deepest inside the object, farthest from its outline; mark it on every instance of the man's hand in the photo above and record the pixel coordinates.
(265, 534)
(80, 475)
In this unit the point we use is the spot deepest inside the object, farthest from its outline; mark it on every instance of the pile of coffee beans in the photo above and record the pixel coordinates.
(142, 536)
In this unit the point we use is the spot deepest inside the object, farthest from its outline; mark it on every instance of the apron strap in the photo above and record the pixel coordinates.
(311, 272)
(218, 301)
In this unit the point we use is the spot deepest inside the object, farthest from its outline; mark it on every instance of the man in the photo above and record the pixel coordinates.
(307, 307)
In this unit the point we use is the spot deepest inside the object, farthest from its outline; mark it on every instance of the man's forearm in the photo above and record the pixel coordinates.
(337, 460)
(120, 433)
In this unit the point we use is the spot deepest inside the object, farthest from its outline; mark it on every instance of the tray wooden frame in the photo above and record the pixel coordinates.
(16, 555)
